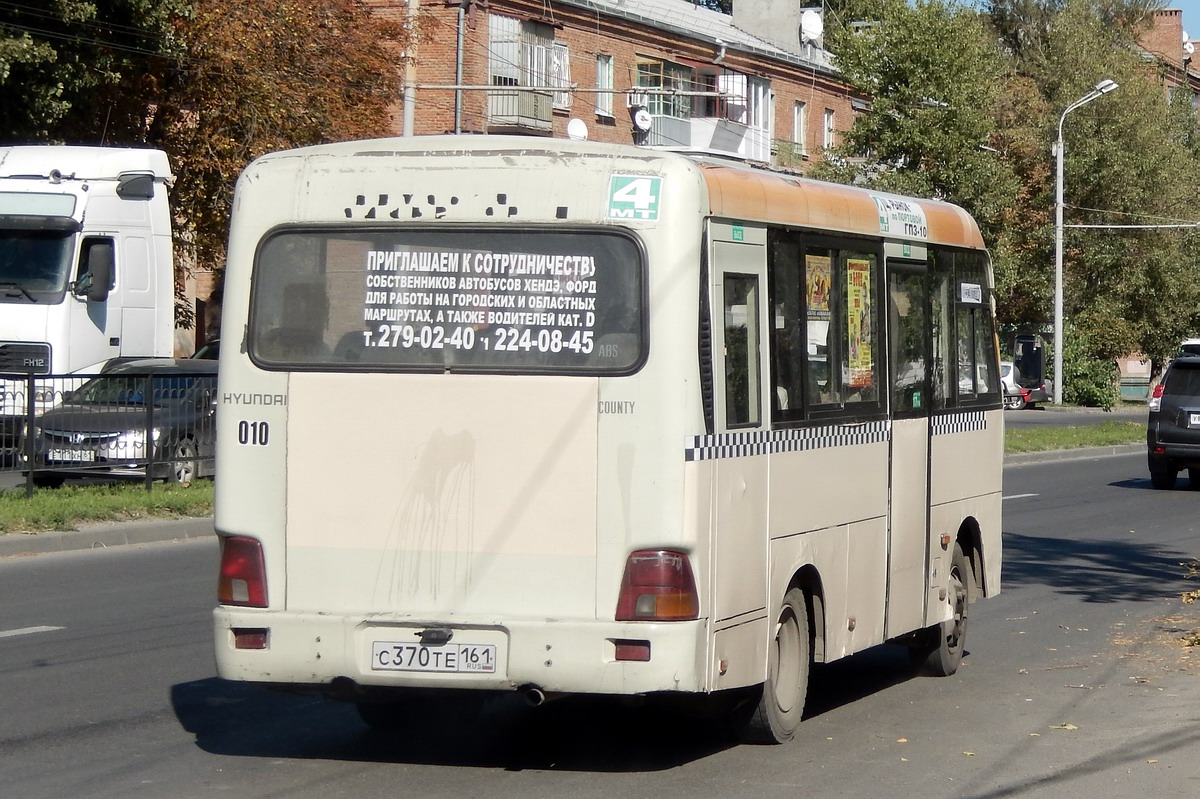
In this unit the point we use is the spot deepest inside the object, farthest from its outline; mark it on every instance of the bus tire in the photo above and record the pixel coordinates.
(774, 711)
(947, 639)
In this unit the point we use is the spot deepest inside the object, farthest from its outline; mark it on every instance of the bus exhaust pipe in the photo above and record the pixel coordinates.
(533, 696)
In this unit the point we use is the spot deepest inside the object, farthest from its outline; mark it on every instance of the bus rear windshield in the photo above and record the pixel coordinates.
(449, 299)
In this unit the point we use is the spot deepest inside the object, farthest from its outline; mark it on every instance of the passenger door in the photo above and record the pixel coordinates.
(741, 401)
(909, 335)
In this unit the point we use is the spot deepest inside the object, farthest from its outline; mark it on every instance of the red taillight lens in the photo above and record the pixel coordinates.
(243, 575)
(1158, 391)
(658, 586)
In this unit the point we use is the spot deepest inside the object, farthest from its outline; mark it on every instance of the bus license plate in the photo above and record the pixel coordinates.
(447, 658)
(71, 455)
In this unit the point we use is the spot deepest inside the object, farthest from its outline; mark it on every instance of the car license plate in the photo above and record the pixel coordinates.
(71, 455)
(1194, 420)
(446, 658)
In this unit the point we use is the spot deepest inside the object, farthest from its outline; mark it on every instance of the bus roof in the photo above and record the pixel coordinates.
(736, 190)
(740, 193)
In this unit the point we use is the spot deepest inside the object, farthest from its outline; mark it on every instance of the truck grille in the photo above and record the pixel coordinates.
(20, 356)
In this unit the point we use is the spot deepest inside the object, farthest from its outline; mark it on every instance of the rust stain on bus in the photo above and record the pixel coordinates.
(743, 194)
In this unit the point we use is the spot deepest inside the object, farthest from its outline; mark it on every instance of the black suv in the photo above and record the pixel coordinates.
(1173, 429)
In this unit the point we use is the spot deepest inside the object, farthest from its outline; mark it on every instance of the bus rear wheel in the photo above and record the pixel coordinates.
(774, 712)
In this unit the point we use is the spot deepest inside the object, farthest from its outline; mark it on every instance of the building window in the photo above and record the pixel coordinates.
(665, 75)
(604, 85)
(560, 71)
(523, 55)
(800, 127)
(827, 131)
(504, 51)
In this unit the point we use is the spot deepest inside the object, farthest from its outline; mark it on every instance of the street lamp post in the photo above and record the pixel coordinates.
(1103, 87)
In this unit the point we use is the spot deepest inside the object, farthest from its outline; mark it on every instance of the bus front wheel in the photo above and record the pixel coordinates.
(773, 713)
(940, 648)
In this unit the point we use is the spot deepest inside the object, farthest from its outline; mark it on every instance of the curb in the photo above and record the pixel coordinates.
(102, 536)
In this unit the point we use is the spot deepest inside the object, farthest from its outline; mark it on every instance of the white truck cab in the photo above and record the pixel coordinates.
(86, 271)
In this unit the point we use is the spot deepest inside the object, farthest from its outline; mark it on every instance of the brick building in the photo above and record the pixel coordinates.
(757, 84)
(1170, 47)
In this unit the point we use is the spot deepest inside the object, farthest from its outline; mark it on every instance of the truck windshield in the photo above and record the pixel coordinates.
(497, 300)
(34, 265)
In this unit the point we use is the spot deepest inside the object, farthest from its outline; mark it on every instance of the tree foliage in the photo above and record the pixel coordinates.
(944, 78)
(1129, 159)
(933, 78)
(215, 83)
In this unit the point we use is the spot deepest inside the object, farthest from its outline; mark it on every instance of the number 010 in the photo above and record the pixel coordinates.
(254, 433)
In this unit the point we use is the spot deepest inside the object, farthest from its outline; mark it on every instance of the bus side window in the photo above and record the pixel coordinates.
(787, 329)
(742, 390)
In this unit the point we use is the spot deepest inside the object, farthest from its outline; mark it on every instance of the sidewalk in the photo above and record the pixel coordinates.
(102, 536)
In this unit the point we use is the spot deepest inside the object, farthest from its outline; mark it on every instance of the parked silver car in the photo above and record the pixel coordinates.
(155, 413)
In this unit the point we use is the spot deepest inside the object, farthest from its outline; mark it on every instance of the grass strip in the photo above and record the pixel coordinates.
(70, 506)
(1105, 434)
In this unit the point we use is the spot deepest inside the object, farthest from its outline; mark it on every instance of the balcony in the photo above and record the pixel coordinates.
(710, 134)
(520, 110)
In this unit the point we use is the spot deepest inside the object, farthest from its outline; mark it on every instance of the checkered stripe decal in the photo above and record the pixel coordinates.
(768, 442)
(959, 423)
(764, 442)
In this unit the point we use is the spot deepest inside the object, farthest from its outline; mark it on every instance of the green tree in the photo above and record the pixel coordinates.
(69, 68)
(1129, 159)
(933, 76)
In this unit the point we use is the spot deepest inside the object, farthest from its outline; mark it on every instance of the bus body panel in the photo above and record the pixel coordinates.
(494, 508)
(483, 509)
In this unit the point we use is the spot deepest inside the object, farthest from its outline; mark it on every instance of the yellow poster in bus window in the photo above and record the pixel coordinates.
(818, 277)
(858, 317)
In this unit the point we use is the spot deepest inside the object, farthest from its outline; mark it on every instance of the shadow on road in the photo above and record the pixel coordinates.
(1096, 570)
(594, 734)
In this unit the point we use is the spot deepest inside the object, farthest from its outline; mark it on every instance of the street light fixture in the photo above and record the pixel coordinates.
(1103, 87)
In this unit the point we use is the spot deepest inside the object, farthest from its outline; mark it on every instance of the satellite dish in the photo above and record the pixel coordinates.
(811, 26)
(577, 130)
(1185, 36)
(642, 119)
(1189, 48)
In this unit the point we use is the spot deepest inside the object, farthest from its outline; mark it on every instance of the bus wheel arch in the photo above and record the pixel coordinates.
(774, 709)
(969, 540)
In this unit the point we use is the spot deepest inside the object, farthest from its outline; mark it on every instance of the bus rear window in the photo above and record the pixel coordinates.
(449, 299)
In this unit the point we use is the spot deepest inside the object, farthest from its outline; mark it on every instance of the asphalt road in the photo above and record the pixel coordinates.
(1075, 683)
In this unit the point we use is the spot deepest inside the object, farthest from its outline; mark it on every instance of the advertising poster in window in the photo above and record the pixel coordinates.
(858, 317)
(818, 275)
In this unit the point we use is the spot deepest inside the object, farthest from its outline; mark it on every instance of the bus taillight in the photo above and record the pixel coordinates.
(243, 575)
(658, 586)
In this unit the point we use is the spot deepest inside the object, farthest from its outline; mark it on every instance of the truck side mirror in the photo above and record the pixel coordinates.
(95, 282)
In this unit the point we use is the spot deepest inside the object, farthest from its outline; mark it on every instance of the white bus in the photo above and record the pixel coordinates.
(505, 414)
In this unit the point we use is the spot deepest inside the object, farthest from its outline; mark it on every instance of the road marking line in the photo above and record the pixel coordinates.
(1020, 496)
(28, 631)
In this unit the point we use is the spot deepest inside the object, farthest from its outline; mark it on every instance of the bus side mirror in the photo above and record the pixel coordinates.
(95, 282)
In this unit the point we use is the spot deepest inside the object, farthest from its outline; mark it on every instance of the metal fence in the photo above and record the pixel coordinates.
(122, 424)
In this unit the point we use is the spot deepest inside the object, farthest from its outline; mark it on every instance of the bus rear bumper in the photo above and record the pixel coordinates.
(570, 656)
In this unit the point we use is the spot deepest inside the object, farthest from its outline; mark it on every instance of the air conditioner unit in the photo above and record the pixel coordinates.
(636, 100)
